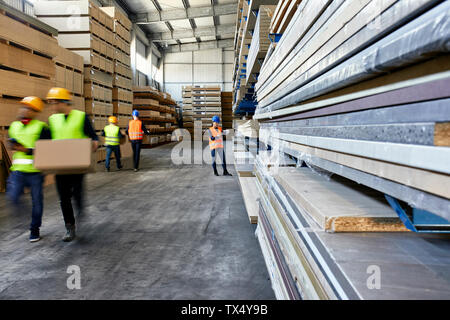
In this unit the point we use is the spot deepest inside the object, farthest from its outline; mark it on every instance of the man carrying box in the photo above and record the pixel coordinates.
(69, 123)
(23, 135)
(112, 136)
(135, 132)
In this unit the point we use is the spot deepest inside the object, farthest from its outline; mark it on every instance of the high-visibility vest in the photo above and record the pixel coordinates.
(112, 135)
(26, 135)
(135, 130)
(70, 128)
(218, 141)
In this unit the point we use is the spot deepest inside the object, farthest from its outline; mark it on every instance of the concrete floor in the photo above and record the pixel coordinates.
(166, 232)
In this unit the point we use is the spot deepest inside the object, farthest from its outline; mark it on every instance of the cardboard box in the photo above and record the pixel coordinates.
(71, 156)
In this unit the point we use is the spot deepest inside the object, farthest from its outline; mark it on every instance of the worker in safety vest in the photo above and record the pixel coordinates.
(135, 132)
(112, 136)
(23, 135)
(216, 145)
(68, 123)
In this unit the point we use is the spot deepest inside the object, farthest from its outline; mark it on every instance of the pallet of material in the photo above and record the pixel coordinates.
(83, 41)
(260, 42)
(98, 92)
(320, 265)
(306, 62)
(95, 107)
(118, 16)
(123, 95)
(121, 69)
(96, 61)
(122, 108)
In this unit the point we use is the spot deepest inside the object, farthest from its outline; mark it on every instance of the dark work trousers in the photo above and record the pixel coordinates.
(136, 145)
(70, 186)
(221, 152)
(17, 181)
(116, 150)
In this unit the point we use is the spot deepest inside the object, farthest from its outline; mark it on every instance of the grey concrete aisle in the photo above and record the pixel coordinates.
(166, 232)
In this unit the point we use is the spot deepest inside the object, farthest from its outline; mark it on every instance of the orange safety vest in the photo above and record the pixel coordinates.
(217, 142)
(135, 130)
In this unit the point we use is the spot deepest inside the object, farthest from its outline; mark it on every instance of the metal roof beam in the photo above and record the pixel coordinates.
(195, 46)
(225, 30)
(189, 13)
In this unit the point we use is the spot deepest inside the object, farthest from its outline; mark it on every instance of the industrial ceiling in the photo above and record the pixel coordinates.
(178, 25)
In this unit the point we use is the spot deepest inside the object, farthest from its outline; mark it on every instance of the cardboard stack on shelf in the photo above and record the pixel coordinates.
(157, 112)
(28, 48)
(122, 77)
(188, 115)
(89, 34)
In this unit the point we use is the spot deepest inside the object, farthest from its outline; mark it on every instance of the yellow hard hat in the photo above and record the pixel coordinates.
(112, 119)
(59, 94)
(34, 103)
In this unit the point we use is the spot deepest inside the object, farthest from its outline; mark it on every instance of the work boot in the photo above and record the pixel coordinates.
(70, 234)
(226, 173)
(215, 172)
(107, 170)
(34, 235)
(136, 170)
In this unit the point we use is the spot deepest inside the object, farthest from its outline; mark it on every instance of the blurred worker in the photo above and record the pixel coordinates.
(216, 145)
(135, 132)
(69, 123)
(112, 136)
(22, 138)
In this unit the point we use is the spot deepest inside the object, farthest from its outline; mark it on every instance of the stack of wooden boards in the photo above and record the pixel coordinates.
(188, 115)
(30, 61)
(206, 103)
(101, 36)
(157, 112)
(226, 99)
(260, 43)
(122, 94)
(253, 19)
(283, 14)
(359, 89)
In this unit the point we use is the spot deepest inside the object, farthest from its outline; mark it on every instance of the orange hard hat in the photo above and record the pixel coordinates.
(59, 94)
(112, 119)
(34, 103)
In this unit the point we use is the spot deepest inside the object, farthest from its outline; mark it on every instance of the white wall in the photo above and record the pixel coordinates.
(206, 67)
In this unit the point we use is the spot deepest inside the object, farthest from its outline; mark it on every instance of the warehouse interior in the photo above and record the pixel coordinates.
(287, 149)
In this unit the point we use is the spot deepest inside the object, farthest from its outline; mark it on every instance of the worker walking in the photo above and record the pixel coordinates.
(23, 135)
(216, 145)
(69, 123)
(135, 132)
(112, 136)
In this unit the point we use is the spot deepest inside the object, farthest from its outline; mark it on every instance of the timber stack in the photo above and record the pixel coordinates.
(157, 112)
(353, 108)
(90, 35)
(188, 115)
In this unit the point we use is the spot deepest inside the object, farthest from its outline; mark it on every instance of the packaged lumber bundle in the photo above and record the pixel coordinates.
(206, 103)
(356, 93)
(283, 14)
(260, 42)
(307, 262)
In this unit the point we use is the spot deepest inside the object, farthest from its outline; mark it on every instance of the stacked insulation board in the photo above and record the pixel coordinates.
(188, 115)
(356, 94)
(157, 112)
